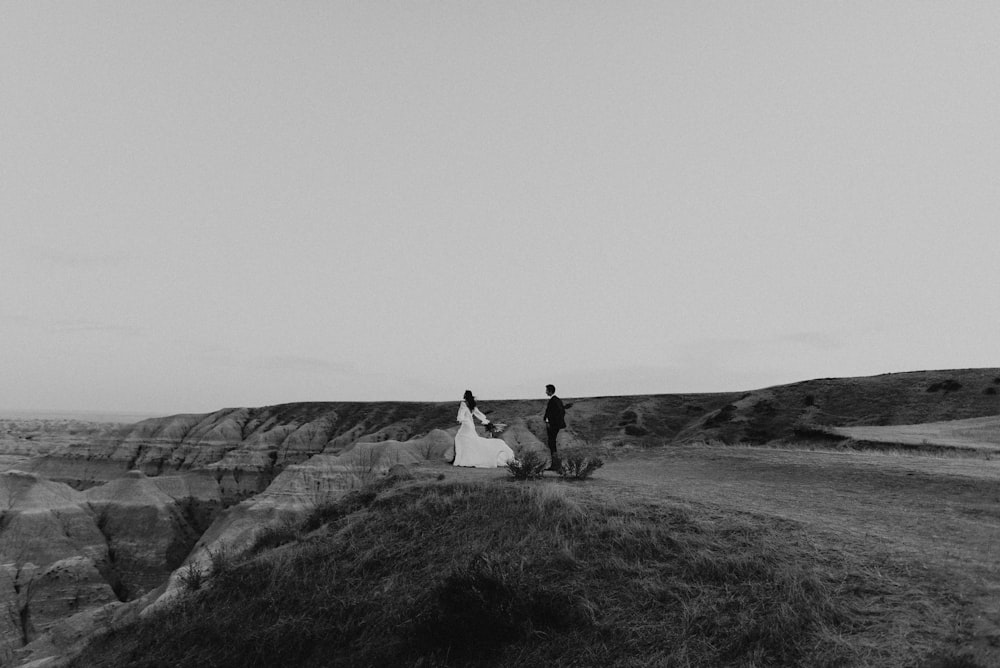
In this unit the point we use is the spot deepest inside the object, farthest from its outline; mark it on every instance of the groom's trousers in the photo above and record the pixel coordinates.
(552, 433)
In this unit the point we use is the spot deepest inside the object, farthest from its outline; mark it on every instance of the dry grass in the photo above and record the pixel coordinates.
(506, 574)
(980, 434)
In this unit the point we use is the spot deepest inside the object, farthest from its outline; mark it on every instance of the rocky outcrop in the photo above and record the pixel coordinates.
(244, 449)
(65, 553)
(299, 489)
(23, 439)
(51, 557)
(149, 531)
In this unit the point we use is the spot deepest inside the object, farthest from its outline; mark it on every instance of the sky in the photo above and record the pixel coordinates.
(206, 205)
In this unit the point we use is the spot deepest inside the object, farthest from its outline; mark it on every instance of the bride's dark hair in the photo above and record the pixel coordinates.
(470, 400)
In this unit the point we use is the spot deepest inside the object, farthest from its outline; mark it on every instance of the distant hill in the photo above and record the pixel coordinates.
(802, 410)
(245, 448)
(971, 434)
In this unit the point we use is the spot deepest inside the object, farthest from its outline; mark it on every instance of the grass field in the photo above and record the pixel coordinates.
(982, 434)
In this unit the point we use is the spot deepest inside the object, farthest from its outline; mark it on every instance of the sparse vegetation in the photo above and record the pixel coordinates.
(363, 468)
(580, 464)
(337, 508)
(528, 466)
(192, 577)
(221, 560)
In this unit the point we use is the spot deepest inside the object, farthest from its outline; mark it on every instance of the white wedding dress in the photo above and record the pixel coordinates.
(471, 449)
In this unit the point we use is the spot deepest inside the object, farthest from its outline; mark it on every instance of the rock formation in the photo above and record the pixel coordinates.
(65, 552)
(51, 557)
(149, 531)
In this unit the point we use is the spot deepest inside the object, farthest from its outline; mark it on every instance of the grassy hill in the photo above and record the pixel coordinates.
(976, 434)
(804, 410)
(432, 573)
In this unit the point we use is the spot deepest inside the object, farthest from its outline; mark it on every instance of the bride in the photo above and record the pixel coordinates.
(470, 448)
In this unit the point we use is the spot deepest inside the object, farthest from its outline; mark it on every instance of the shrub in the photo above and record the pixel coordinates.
(635, 430)
(579, 465)
(990, 390)
(945, 386)
(721, 416)
(529, 465)
(192, 578)
(628, 417)
(221, 560)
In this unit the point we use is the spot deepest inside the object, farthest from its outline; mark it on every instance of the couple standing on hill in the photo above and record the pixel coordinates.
(472, 450)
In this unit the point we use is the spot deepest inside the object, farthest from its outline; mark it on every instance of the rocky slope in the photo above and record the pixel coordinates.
(65, 552)
(23, 438)
(51, 557)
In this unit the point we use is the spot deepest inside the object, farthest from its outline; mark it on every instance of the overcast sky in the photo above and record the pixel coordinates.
(246, 203)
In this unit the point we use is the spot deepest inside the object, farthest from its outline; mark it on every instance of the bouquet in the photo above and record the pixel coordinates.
(494, 428)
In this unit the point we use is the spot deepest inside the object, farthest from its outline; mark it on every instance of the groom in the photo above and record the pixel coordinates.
(555, 419)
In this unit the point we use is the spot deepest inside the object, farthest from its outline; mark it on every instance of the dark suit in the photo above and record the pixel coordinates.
(555, 419)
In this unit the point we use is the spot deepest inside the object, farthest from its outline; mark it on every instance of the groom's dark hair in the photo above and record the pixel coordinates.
(551, 388)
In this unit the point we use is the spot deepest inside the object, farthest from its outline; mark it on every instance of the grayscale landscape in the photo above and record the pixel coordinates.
(291, 294)
(870, 502)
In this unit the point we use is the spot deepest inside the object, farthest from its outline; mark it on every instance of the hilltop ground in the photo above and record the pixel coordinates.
(908, 542)
(932, 521)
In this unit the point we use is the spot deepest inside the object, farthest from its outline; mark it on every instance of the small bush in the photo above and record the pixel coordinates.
(721, 416)
(628, 417)
(635, 430)
(945, 386)
(579, 466)
(990, 390)
(221, 560)
(528, 466)
(192, 578)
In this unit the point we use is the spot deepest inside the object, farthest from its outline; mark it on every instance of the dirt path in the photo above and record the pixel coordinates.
(940, 514)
